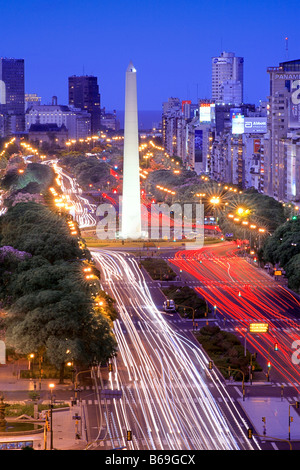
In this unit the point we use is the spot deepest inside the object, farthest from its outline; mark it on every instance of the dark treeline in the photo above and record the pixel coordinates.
(48, 303)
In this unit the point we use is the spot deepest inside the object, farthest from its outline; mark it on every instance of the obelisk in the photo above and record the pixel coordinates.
(131, 198)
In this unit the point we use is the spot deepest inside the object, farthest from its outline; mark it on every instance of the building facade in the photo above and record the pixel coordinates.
(12, 95)
(84, 94)
(227, 79)
(283, 118)
(76, 121)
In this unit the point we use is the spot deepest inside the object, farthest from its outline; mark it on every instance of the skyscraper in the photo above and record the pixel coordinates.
(131, 199)
(84, 94)
(283, 118)
(227, 78)
(12, 94)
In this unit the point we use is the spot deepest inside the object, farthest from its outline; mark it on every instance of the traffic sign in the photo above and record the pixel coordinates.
(259, 327)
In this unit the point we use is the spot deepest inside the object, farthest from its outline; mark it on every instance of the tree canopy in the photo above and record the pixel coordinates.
(48, 301)
(283, 248)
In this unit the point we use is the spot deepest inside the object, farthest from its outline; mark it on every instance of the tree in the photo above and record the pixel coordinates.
(48, 301)
(292, 269)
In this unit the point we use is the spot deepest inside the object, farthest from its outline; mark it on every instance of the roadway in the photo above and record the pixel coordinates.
(242, 294)
(170, 400)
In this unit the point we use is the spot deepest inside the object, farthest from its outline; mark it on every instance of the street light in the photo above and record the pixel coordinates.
(51, 386)
(215, 200)
(193, 310)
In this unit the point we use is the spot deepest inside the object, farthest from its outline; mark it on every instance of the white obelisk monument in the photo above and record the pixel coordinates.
(131, 225)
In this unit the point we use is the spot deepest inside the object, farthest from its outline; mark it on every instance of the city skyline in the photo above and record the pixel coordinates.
(171, 46)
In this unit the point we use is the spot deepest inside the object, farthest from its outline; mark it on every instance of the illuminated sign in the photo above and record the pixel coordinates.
(256, 145)
(277, 273)
(198, 145)
(238, 125)
(205, 112)
(255, 125)
(259, 327)
(248, 125)
(294, 118)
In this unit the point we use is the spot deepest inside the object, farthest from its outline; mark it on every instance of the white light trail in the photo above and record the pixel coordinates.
(165, 370)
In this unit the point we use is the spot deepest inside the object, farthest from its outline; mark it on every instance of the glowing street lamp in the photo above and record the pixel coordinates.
(51, 386)
(215, 200)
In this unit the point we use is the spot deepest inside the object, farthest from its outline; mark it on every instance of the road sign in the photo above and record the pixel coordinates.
(259, 327)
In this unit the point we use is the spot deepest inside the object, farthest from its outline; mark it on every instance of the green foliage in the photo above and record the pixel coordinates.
(158, 269)
(88, 170)
(35, 229)
(226, 351)
(264, 211)
(284, 243)
(283, 248)
(47, 298)
(169, 179)
(187, 296)
(42, 175)
(292, 269)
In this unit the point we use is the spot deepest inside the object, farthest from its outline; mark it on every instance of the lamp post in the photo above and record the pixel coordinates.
(296, 404)
(187, 306)
(260, 230)
(51, 386)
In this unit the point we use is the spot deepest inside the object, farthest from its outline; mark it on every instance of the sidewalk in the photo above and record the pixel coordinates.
(65, 424)
(9, 380)
(276, 414)
(65, 428)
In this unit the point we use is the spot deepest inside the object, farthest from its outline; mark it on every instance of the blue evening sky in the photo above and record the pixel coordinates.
(170, 43)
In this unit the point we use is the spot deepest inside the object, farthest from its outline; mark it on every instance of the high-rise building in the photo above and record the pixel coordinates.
(227, 79)
(12, 95)
(283, 117)
(84, 94)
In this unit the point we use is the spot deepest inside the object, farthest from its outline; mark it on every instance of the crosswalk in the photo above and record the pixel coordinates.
(195, 399)
(206, 284)
(227, 325)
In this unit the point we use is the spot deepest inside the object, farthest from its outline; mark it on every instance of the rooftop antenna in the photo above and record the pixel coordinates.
(286, 48)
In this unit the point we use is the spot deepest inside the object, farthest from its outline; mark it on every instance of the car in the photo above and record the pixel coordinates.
(169, 305)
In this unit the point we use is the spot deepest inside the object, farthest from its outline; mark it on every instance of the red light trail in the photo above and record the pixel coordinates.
(242, 293)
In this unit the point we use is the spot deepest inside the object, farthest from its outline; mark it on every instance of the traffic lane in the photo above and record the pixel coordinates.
(173, 362)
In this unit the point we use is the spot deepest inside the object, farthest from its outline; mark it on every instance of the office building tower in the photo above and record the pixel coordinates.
(12, 95)
(84, 94)
(227, 78)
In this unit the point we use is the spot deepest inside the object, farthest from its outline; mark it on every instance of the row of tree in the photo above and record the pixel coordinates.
(26, 183)
(44, 292)
(88, 170)
(283, 249)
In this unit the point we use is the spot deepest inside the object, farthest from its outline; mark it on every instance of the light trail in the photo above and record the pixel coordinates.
(81, 209)
(165, 386)
(241, 293)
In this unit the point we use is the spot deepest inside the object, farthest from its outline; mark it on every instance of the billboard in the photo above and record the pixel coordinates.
(238, 123)
(198, 145)
(207, 112)
(294, 114)
(255, 125)
(256, 145)
(248, 125)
